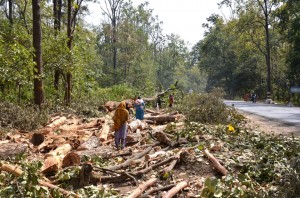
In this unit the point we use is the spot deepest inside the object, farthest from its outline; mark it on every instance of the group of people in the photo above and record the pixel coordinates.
(121, 118)
(159, 101)
(252, 97)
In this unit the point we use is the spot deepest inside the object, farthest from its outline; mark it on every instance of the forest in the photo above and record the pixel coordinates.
(61, 79)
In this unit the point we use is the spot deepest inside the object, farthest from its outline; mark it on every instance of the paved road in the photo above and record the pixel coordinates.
(278, 113)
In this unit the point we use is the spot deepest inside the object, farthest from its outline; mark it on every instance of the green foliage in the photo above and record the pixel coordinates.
(291, 179)
(241, 186)
(21, 117)
(204, 108)
(259, 165)
(25, 185)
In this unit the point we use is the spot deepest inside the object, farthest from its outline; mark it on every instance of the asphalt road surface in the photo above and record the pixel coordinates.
(278, 113)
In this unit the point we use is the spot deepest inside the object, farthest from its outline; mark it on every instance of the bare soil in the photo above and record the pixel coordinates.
(269, 126)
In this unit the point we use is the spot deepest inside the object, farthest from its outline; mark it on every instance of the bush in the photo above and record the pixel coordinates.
(21, 117)
(204, 108)
(291, 180)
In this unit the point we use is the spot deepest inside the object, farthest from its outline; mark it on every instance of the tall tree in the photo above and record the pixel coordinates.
(260, 12)
(113, 10)
(37, 44)
(72, 10)
(57, 6)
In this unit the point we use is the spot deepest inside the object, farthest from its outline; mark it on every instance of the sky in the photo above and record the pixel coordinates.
(181, 17)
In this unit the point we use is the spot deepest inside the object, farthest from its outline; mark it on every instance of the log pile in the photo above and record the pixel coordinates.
(147, 166)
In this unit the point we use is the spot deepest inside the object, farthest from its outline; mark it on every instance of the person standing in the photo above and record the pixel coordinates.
(139, 108)
(120, 119)
(253, 97)
(171, 100)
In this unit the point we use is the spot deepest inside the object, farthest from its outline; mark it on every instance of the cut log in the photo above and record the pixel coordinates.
(53, 159)
(151, 112)
(4, 142)
(142, 187)
(75, 127)
(55, 124)
(92, 142)
(37, 139)
(104, 132)
(61, 150)
(134, 125)
(133, 137)
(111, 105)
(12, 149)
(173, 191)
(71, 159)
(160, 119)
(215, 163)
(11, 169)
(149, 121)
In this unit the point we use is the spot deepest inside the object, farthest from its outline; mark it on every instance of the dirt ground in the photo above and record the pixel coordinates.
(269, 126)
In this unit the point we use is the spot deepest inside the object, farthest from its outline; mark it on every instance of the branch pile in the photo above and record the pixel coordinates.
(151, 164)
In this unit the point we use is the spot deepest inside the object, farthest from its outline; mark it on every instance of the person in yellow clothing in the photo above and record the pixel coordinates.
(120, 125)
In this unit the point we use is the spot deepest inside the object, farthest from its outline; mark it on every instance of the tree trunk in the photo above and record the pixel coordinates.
(69, 43)
(10, 11)
(37, 44)
(268, 48)
(57, 20)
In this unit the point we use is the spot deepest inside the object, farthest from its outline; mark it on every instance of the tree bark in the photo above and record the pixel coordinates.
(37, 44)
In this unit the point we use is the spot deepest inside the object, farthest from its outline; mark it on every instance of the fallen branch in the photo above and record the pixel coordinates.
(215, 162)
(128, 162)
(163, 138)
(166, 172)
(123, 177)
(152, 167)
(154, 190)
(142, 187)
(173, 191)
(17, 172)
